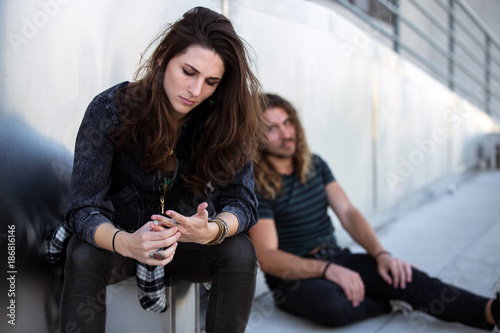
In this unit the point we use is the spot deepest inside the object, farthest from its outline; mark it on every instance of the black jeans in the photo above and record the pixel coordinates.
(424, 293)
(231, 268)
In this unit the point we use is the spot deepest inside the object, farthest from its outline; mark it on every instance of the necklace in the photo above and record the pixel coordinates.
(169, 152)
(165, 184)
(167, 179)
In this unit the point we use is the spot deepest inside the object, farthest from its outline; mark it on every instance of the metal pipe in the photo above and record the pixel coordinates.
(225, 8)
(470, 12)
(487, 81)
(396, 26)
(449, 52)
(451, 47)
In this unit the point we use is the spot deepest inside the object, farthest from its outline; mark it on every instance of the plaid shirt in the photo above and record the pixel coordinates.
(150, 279)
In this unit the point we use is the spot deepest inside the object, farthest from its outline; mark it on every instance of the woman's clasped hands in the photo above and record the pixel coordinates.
(152, 244)
(194, 229)
(156, 241)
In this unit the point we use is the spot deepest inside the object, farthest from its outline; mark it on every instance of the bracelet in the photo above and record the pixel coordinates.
(380, 253)
(324, 270)
(223, 229)
(113, 241)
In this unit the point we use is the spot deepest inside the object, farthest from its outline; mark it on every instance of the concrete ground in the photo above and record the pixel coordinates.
(455, 236)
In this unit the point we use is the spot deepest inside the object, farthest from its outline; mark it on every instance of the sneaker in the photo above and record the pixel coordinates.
(495, 309)
(401, 306)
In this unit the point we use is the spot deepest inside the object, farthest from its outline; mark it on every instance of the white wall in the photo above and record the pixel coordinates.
(58, 54)
(388, 130)
(368, 112)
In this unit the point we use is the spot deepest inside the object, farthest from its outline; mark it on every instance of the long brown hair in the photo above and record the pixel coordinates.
(267, 180)
(234, 126)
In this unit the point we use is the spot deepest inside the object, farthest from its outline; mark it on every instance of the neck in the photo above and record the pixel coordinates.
(283, 165)
(179, 121)
(177, 124)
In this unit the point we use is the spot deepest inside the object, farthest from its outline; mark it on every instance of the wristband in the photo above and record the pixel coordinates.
(380, 253)
(113, 241)
(324, 270)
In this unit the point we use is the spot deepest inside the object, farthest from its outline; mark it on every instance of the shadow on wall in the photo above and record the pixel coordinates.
(35, 173)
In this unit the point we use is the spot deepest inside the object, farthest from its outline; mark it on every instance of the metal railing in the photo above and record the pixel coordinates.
(461, 51)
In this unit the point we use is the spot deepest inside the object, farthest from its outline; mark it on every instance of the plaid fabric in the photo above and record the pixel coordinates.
(150, 279)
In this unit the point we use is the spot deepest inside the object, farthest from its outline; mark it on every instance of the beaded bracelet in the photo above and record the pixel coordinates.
(223, 230)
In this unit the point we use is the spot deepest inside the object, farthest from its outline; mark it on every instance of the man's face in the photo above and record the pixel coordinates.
(280, 133)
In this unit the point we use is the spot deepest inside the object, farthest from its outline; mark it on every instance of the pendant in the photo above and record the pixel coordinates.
(170, 152)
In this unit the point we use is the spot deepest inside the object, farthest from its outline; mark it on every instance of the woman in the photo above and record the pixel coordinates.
(163, 179)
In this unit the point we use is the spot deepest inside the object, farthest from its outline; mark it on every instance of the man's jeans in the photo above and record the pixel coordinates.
(324, 302)
(230, 267)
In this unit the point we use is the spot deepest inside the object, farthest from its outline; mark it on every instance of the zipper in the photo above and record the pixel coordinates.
(159, 189)
(162, 203)
(163, 187)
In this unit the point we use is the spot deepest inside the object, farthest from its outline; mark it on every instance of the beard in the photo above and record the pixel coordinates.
(281, 152)
(279, 155)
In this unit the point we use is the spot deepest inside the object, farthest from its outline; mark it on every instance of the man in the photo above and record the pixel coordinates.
(299, 255)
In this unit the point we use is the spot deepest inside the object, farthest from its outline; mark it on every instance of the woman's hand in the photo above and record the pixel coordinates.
(350, 282)
(394, 271)
(146, 240)
(193, 228)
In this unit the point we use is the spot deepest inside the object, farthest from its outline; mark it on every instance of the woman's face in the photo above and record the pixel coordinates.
(191, 77)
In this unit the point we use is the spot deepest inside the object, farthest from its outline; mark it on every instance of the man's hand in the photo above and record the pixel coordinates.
(349, 280)
(394, 271)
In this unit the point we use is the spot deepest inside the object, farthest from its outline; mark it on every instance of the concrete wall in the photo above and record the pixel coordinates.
(364, 108)
(387, 129)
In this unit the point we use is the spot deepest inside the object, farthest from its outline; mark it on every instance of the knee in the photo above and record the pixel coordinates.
(83, 259)
(327, 309)
(338, 312)
(238, 251)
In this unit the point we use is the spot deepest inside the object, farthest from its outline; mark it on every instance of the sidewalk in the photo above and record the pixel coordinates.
(454, 237)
